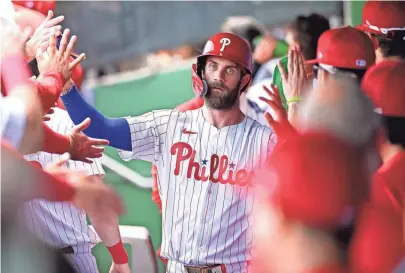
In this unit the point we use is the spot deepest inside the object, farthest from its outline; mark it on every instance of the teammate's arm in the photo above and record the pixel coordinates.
(106, 226)
(22, 102)
(115, 130)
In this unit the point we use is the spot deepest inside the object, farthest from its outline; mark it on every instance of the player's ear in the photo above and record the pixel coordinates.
(244, 81)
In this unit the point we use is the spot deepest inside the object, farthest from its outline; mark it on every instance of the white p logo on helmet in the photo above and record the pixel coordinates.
(225, 42)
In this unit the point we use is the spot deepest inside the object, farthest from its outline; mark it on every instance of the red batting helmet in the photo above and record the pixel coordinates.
(226, 45)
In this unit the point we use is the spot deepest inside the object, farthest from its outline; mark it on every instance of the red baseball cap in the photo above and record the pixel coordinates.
(378, 241)
(384, 83)
(344, 47)
(381, 17)
(315, 178)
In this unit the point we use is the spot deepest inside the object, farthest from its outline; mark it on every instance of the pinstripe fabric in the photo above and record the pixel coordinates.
(204, 183)
(61, 224)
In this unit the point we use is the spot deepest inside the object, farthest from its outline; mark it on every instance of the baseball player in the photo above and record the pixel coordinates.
(205, 160)
(64, 226)
(301, 207)
(384, 22)
(388, 180)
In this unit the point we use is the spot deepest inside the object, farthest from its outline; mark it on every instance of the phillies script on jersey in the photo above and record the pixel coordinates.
(220, 169)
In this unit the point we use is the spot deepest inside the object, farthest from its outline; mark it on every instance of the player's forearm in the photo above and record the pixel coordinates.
(115, 130)
(49, 88)
(106, 226)
(293, 114)
(54, 142)
(17, 86)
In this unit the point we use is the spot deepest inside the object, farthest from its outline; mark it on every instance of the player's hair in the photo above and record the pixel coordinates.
(308, 29)
(392, 44)
(395, 127)
(348, 114)
(358, 74)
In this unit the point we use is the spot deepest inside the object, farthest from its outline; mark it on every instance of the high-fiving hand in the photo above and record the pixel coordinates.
(295, 81)
(83, 147)
(40, 39)
(59, 60)
(91, 194)
(277, 116)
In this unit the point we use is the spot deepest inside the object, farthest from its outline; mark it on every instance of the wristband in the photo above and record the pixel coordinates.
(14, 72)
(293, 99)
(118, 253)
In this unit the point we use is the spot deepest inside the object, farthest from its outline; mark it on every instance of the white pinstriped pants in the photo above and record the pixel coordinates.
(82, 262)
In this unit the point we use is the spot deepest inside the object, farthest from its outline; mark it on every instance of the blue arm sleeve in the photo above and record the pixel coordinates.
(115, 130)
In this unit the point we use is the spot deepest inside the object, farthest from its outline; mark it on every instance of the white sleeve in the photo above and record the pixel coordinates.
(148, 133)
(13, 120)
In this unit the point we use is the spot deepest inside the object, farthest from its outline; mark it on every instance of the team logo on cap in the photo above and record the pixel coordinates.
(361, 63)
(320, 55)
(225, 42)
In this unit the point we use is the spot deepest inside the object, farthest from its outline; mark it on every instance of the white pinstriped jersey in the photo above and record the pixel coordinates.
(61, 224)
(204, 182)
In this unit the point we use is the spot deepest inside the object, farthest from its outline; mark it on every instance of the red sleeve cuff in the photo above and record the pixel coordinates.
(55, 143)
(49, 87)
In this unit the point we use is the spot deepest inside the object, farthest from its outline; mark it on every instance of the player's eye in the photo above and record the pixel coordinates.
(212, 66)
(230, 70)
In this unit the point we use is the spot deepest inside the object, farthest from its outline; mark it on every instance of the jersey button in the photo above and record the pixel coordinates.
(209, 191)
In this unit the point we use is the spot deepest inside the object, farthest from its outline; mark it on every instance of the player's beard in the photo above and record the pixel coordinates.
(221, 99)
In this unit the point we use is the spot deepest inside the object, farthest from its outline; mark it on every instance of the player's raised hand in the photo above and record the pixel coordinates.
(40, 39)
(120, 268)
(83, 147)
(277, 116)
(295, 81)
(59, 60)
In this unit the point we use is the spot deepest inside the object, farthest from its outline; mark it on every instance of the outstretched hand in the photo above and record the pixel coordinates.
(277, 117)
(295, 80)
(83, 147)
